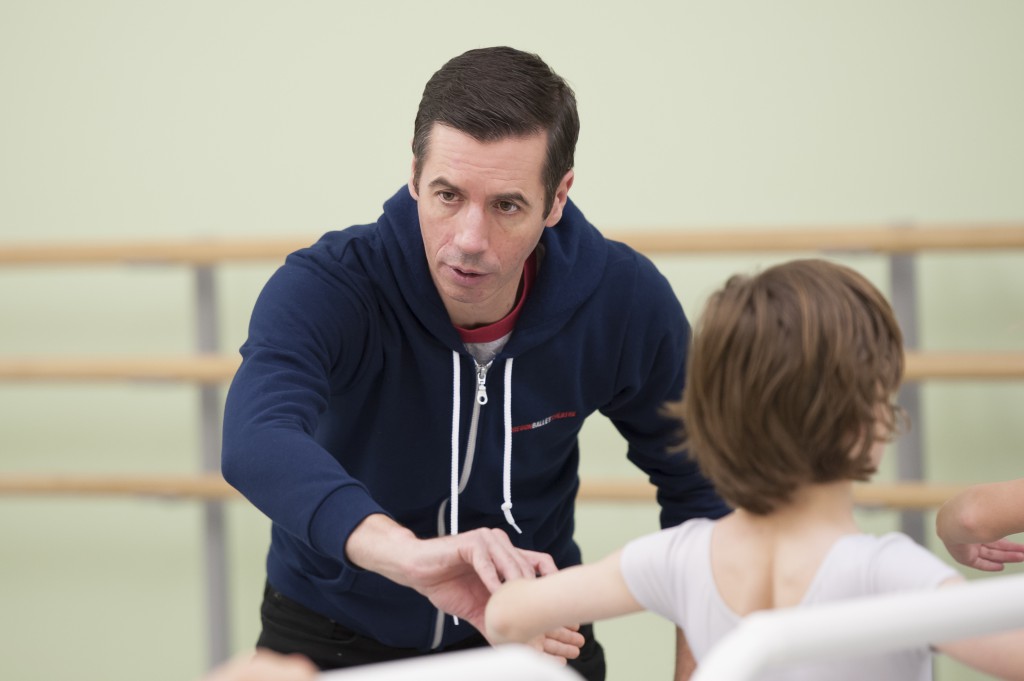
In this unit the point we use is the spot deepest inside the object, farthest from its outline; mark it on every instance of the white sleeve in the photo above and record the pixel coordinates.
(900, 564)
(654, 568)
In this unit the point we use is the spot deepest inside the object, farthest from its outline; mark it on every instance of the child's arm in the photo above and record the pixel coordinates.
(524, 608)
(1001, 655)
(973, 525)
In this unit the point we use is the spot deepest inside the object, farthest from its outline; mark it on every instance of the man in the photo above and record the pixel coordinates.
(411, 391)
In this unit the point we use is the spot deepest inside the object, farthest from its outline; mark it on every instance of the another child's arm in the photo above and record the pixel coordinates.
(522, 609)
(973, 525)
(1001, 654)
(264, 665)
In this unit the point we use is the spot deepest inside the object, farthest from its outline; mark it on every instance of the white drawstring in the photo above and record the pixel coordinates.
(506, 479)
(454, 492)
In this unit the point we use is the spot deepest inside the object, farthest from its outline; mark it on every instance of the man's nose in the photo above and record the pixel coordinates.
(471, 230)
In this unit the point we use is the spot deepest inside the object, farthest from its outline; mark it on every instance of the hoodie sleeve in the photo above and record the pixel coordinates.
(651, 374)
(309, 331)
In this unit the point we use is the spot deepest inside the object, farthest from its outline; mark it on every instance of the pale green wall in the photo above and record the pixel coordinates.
(183, 119)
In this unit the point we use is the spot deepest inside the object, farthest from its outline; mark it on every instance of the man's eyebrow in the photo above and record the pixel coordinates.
(514, 197)
(442, 183)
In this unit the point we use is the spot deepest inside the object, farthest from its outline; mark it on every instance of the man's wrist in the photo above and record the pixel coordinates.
(380, 545)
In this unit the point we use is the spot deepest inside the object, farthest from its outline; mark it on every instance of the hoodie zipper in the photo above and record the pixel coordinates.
(481, 384)
(481, 399)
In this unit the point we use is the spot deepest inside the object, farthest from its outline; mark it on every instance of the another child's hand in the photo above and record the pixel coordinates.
(264, 665)
(989, 557)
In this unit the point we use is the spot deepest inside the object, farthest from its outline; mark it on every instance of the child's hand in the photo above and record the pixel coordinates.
(562, 644)
(989, 557)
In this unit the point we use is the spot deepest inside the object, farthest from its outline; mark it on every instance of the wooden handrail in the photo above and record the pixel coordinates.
(844, 239)
(194, 252)
(919, 496)
(872, 239)
(923, 365)
(892, 495)
(201, 368)
(212, 487)
(211, 368)
(206, 486)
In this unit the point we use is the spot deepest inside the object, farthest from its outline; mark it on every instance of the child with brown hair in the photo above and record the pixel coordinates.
(789, 399)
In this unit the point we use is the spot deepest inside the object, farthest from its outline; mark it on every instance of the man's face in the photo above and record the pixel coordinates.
(481, 209)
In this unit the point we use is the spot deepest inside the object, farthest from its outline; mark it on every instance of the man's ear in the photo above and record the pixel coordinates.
(561, 196)
(412, 180)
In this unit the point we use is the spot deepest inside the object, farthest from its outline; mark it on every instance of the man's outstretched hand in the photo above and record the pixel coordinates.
(457, 574)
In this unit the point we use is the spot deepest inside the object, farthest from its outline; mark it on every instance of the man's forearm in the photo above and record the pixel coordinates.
(380, 545)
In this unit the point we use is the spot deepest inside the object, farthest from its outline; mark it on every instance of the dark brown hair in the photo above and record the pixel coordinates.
(790, 381)
(499, 92)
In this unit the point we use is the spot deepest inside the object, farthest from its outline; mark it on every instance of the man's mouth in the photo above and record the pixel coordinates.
(469, 274)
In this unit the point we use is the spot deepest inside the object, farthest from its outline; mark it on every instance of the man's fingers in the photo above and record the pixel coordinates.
(543, 563)
(486, 571)
(495, 559)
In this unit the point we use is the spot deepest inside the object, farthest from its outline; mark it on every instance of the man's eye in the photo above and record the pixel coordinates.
(507, 207)
(447, 197)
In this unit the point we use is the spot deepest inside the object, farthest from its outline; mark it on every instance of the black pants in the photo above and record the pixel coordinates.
(289, 627)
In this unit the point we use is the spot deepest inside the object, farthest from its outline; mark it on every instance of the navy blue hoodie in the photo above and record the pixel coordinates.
(344, 406)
